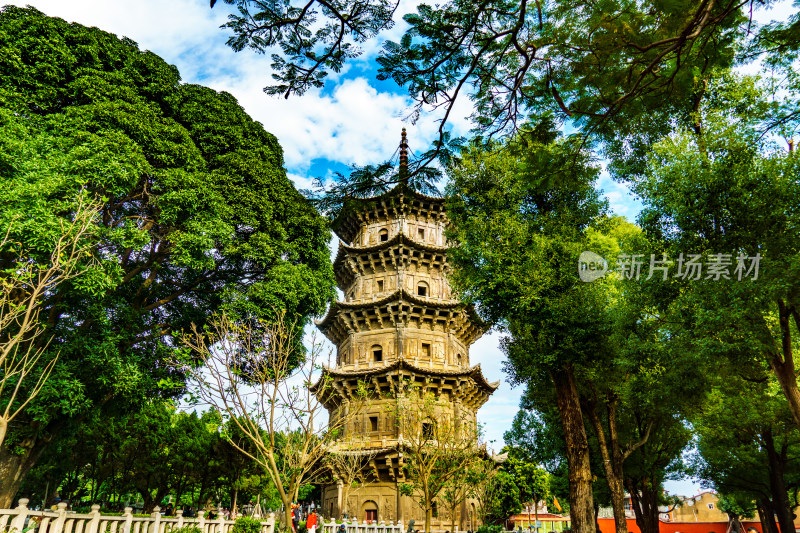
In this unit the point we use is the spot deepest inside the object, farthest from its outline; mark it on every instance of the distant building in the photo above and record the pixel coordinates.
(526, 519)
(694, 514)
(702, 507)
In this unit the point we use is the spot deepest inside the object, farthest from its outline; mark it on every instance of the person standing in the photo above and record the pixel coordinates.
(311, 522)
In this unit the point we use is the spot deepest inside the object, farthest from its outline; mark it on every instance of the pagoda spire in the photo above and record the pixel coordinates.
(403, 158)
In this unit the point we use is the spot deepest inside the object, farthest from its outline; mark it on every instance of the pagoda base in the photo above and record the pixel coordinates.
(382, 501)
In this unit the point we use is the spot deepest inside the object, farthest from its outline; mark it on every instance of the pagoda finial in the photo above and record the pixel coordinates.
(403, 157)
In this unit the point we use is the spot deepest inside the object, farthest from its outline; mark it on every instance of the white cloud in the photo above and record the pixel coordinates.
(354, 125)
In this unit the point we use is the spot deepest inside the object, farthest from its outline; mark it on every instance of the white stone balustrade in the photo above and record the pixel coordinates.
(352, 526)
(22, 519)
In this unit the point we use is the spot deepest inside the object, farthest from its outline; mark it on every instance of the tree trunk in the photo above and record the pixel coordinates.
(14, 467)
(612, 465)
(644, 500)
(766, 516)
(597, 517)
(147, 500)
(777, 484)
(581, 500)
(782, 363)
(179, 492)
(286, 522)
(201, 494)
(428, 513)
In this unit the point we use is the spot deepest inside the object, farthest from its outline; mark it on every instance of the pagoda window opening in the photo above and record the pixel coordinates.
(428, 430)
(380, 285)
(383, 235)
(421, 234)
(422, 289)
(434, 510)
(377, 353)
(458, 359)
(426, 350)
(373, 423)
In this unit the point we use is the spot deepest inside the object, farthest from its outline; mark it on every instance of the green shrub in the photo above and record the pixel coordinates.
(186, 529)
(246, 524)
(490, 529)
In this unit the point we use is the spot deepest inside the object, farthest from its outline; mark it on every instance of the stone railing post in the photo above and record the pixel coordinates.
(94, 523)
(271, 523)
(58, 524)
(220, 520)
(18, 523)
(128, 515)
(179, 516)
(156, 519)
(201, 520)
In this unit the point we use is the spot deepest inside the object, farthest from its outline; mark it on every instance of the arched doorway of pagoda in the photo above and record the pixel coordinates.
(369, 510)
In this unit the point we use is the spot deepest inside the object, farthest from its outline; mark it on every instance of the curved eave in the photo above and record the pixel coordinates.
(364, 451)
(399, 238)
(500, 459)
(473, 329)
(345, 226)
(402, 445)
(398, 295)
(346, 250)
(401, 363)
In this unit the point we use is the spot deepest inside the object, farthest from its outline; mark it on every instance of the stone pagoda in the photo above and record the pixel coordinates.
(398, 323)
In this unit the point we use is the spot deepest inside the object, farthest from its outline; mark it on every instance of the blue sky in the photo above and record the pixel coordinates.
(355, 119)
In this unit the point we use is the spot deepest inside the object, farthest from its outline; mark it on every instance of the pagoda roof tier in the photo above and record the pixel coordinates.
(468, 385)
(393, 446)
(352, 261)
(398, 309)
(398, 202)
(386, 461)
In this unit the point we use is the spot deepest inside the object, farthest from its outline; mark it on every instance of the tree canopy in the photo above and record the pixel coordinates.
(197, 216)
(598, 65)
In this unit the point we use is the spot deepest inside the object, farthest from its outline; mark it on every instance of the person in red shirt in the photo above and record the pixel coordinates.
(311, 522)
